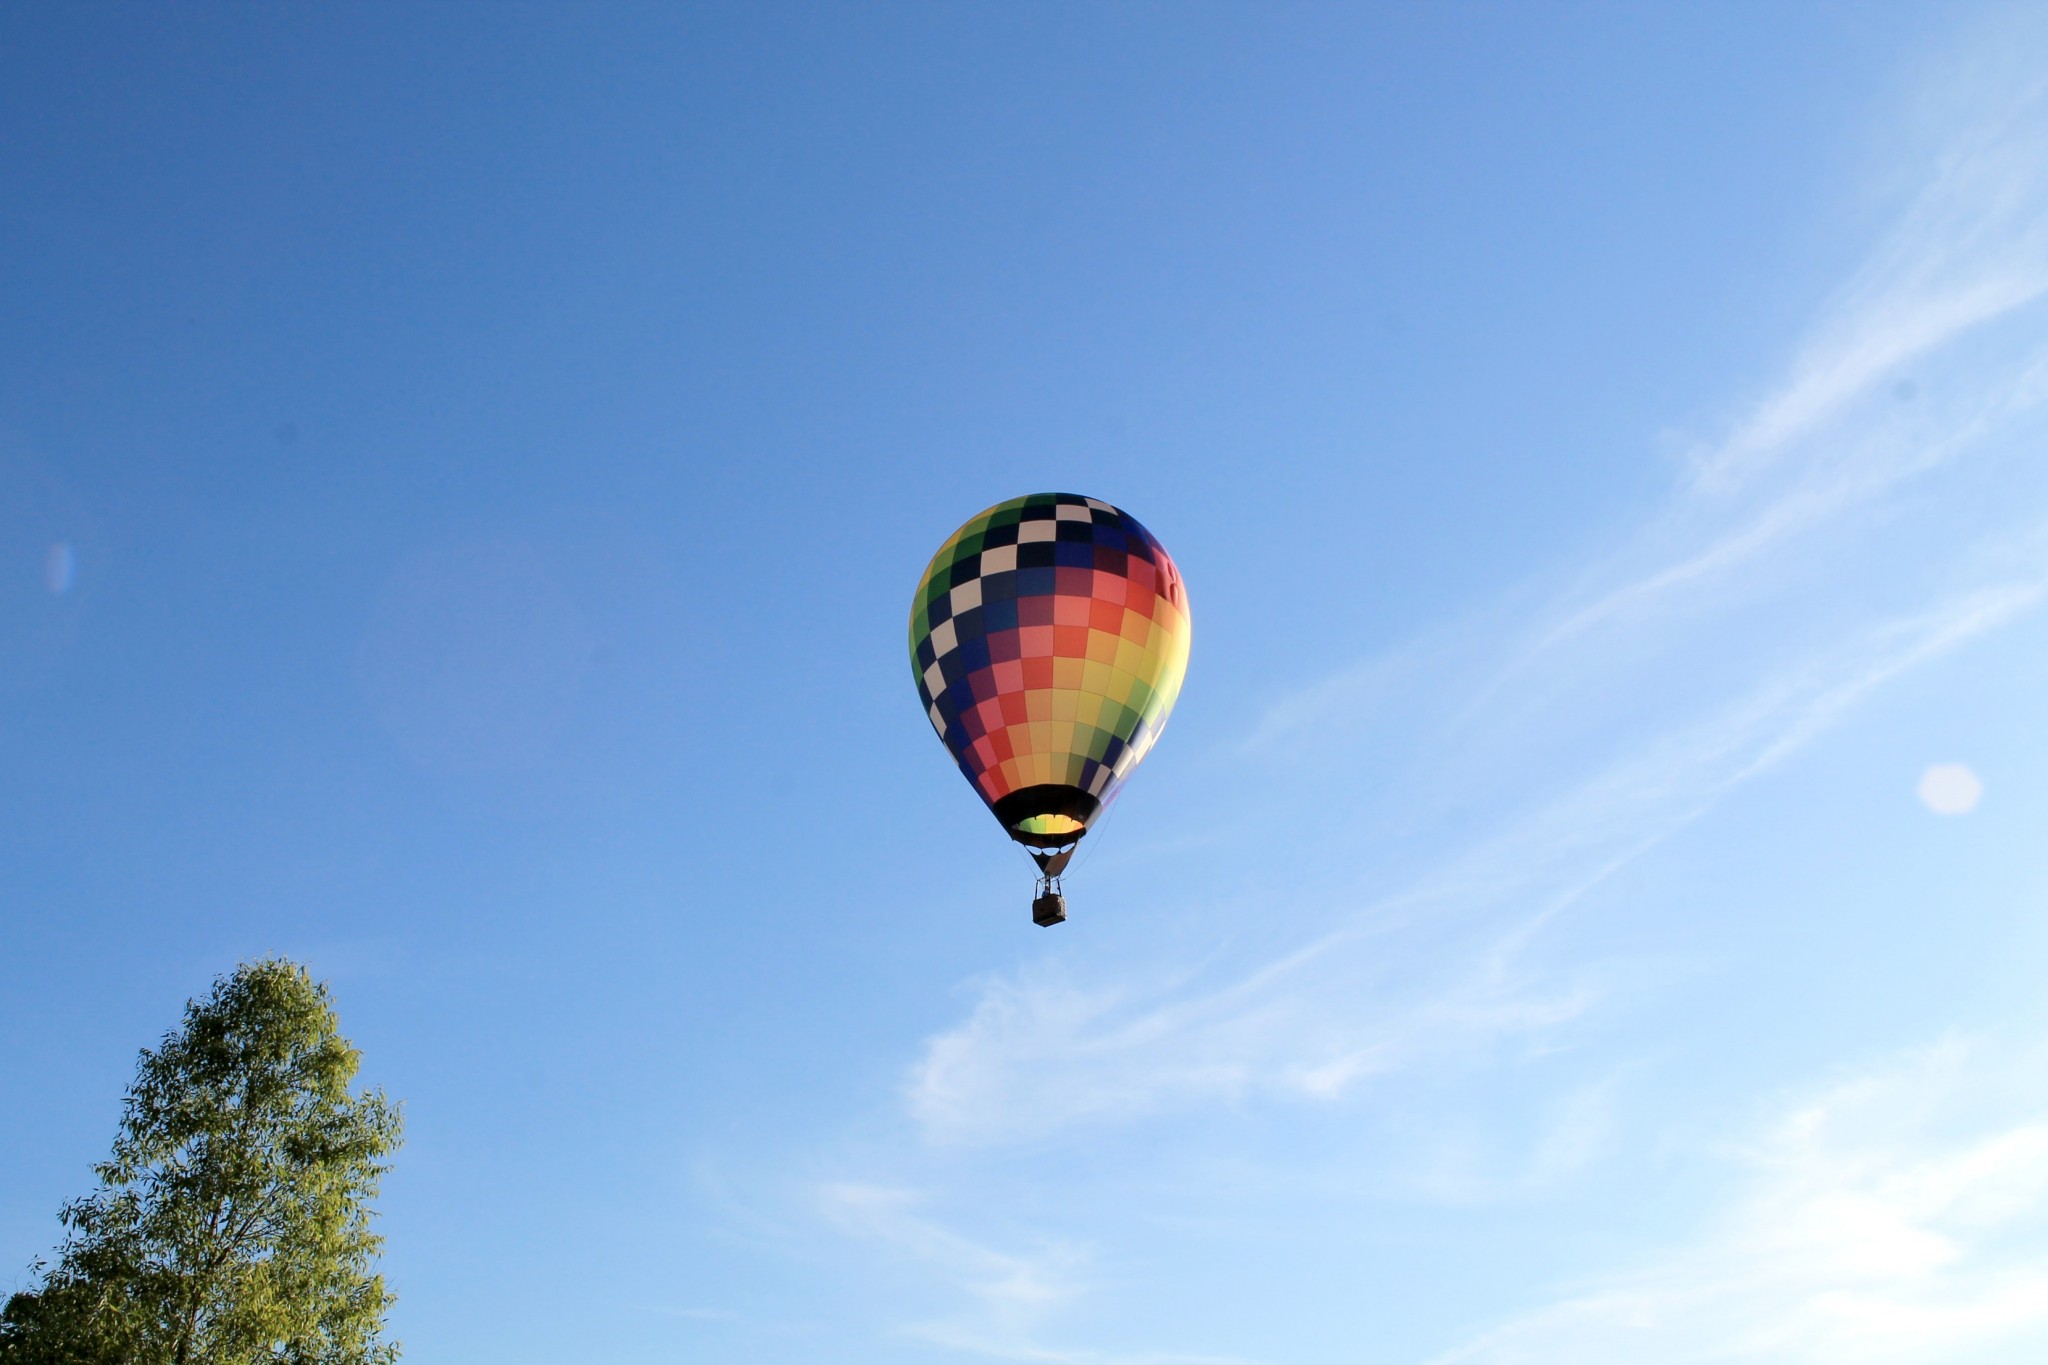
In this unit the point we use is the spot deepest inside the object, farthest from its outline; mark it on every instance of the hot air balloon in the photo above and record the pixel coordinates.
(1049, 637)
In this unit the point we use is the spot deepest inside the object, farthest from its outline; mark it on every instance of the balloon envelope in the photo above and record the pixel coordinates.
(1049, 637)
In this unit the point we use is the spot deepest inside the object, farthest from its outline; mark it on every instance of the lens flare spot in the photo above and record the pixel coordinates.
(60, 568)
(1950, 789)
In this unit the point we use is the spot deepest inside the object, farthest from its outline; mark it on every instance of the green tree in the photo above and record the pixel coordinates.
(232, 1222)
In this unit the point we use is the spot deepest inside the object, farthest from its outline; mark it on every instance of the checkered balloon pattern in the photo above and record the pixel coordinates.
(1049, 638)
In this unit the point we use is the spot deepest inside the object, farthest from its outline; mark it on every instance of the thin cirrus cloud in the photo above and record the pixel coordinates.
(1917, 325)
(1009, 1287)
(1008, 1294)
(1042, 1053)
(1970, 247)
(1890, 1218)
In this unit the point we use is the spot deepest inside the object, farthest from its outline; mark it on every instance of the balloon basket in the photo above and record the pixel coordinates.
(1049, 907)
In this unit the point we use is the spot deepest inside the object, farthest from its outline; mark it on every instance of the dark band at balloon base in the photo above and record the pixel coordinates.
(1046, 800)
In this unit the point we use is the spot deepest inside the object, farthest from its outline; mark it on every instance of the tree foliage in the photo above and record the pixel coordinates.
(231, 1224)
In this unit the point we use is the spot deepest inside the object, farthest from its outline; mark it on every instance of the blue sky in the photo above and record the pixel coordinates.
(462, 476)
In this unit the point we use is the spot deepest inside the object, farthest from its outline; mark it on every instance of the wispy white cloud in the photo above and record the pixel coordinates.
(1009, 1294)
(694, 1314)
(1463, 1166)
(1002, 1348)
(1970, 248)
(1010, 1287)
(1904, 371)
(1041, 1052)
(1840, 468)
(1895, 1217)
